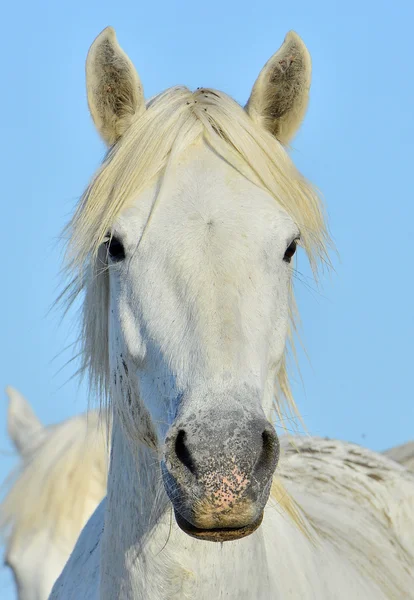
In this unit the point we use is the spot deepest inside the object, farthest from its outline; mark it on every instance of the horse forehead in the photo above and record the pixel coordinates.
(204, 195)
(203, 183)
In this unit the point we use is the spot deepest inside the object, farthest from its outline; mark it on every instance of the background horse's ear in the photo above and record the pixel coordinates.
(280, 95)
(115, 94)
(23, 426)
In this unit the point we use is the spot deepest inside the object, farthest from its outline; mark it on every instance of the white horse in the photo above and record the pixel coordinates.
(182, 245)
(24, 544)
(60, 481)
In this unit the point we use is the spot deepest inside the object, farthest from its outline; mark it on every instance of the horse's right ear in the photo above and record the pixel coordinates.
(23, 426)
(115, 94)
(280, 95)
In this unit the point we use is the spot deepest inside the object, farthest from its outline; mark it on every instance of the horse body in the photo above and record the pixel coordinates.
(340, 517)
(182, 245)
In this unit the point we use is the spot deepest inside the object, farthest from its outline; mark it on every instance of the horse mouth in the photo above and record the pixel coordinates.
(222, 534)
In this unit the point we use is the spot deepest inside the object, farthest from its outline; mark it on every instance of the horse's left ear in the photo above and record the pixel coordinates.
(280, 95)
(115, 94)
(23, 427)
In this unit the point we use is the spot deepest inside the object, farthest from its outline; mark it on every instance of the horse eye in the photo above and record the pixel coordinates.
(290, 251)
(115, 249)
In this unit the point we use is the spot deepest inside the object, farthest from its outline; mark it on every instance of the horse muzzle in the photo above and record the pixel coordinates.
(218, 471)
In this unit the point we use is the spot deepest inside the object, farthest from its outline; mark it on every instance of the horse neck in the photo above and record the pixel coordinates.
(145, 554)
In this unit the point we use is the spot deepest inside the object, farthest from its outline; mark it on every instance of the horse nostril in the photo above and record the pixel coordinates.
(183, 453)
(269, 454)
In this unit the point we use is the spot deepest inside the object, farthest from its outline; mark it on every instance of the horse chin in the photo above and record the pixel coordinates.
(224, 534)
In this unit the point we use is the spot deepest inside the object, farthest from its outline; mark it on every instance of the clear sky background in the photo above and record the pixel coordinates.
(356, 145)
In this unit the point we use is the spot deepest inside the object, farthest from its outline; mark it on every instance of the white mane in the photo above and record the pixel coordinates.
(52, 488)
(172, 122)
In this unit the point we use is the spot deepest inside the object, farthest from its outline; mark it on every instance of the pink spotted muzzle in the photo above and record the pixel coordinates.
(218, 469)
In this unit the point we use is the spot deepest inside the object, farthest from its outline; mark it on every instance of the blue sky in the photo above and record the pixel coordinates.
(356, 145)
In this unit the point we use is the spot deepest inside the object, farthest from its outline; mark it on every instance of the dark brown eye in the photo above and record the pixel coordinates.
(115, 249)
(290, 251)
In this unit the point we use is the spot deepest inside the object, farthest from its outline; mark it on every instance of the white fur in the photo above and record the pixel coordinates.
(24, 428)
(403, 454)
(142, 553)
(37, 560)
(358, 508)
(56, 487)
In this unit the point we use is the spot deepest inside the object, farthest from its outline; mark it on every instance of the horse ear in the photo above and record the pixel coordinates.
(115, 94)
(280, 95)
(22, 424)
